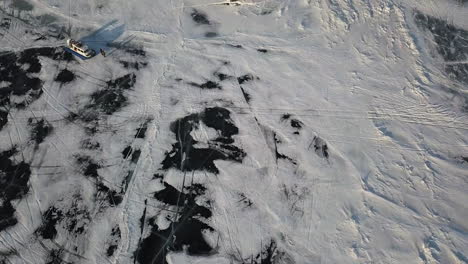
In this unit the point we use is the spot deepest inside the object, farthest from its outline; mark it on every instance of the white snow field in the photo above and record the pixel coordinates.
(241, 131)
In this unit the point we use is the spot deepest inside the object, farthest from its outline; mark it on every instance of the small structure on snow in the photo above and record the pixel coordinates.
(80, 48)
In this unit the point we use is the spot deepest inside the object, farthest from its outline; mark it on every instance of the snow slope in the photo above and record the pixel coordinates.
(297, 131)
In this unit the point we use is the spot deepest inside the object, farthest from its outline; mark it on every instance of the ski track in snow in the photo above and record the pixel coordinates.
(242, 131)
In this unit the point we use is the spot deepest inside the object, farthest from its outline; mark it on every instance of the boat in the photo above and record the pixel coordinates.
(80, 49)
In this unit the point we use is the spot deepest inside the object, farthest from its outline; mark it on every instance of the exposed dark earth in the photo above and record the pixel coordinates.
(452, 44)
(220, 148)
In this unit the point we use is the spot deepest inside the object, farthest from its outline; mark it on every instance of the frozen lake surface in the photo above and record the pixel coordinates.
(241, 131)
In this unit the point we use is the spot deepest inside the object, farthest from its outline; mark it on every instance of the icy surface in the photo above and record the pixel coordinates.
(238, 131)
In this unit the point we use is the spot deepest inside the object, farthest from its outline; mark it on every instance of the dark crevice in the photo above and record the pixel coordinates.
(246, 95)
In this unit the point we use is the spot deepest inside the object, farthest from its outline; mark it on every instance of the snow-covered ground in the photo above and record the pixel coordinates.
(241, 131)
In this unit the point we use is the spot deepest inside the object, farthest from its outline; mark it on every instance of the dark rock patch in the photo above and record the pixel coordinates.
(5, 255)
(126, 181)
(158, 176)
(452, 42)
(136, 51)
(233, 3)
(211, 34)
(245, 78)
(55, 257)
(458, 254)
(90, 144)
(170, 195)
(222, 76)
(14, 178)
(189, 234)
(296, 123)
(65, 76)
(130, 49)
(199, 17)
(113, 197)
(320, 147)
(142, 228)
(111, 249)
(269, 255)
(266, 12)
(206, 85)
(3, 118)
(74, 220)
(89, 166)
(143, 218)
(203, 158)
(110, 99)
(244, 200)
(186, 230)
(77, 218)
(458, 71)
(135, 154)
(22, 5)
(285, 116)
(40, 38)
(185, 233)
(49, 221)
(279, 155)
(7, 215)
(41, 129)
(114, 241)
(133, 65)
(125, 82)
(219, 119)
(282, 156)
(58, 54)
(46, 19)
(20, 81)
(5, 23)
(126, 152)
(237, 46)
(141, 132)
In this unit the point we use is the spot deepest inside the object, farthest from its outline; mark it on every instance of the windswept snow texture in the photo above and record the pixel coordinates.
(234, 132)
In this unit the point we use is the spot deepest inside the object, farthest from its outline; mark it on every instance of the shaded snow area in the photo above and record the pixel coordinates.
(237, 131)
